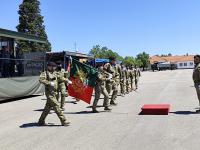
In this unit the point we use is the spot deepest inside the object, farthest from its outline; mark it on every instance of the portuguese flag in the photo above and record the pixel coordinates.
(83, 79)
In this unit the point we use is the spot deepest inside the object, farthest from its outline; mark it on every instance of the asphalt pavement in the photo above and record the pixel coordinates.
(121, 129)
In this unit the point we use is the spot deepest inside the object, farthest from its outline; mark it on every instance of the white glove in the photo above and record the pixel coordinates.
(110, 76)
(52, 83)
(69, 82)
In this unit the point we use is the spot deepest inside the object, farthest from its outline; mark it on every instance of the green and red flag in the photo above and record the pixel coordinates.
(83, 79)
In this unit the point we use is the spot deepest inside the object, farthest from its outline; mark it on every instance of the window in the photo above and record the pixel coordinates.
(180, 64)
(185, 64)
(191, 63)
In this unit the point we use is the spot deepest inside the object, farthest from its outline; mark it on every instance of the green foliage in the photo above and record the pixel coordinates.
(164, 55)
(143, 60)
(103, 52)
(138, 62)
(31, 22)
(129, 61)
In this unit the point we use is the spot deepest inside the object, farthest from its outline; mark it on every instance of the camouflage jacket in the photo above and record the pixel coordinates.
(196, 74)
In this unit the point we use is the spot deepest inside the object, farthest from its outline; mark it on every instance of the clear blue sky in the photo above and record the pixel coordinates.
(126, 26)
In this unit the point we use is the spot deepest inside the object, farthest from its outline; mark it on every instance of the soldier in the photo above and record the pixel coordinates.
(137, 75)
(127, 73)
(116, 72)
(123, 79)
(49, 79)
(196, 77)
(109, 84)
(61, 85)
(101, 88)
(131, 77)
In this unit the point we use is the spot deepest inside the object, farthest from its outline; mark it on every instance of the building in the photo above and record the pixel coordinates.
(181, 62)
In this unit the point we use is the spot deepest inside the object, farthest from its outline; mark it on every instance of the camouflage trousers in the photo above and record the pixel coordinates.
(122, 86)
(98, 90)
(127, 86)
(115, 90)
(61, 91)
(131, 84)
(136, 82)
(198, 92)
(52, 103)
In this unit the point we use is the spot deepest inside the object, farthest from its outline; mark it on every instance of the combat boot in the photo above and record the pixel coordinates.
(107, 109)
(41, 123)
(113, 103)
(62, 109)
(66, 123)
(198, 111)
(95, 111)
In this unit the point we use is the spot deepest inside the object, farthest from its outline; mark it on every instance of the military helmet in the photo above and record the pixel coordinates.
(53, 64)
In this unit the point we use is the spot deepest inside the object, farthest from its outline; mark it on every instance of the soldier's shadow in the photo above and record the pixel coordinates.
(82, 112)
(98, 106)
(35, 124)
(184, 112)
(39, 110)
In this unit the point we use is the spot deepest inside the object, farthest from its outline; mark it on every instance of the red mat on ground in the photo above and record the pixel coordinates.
(155, 109)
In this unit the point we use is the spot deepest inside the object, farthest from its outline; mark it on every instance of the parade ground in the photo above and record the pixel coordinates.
(121, 129)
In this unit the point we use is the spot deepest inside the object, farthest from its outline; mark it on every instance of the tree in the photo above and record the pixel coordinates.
(129, 61)
(103, 52)
(169, 54)
(31, 22)
(138, 62)
(143, 58)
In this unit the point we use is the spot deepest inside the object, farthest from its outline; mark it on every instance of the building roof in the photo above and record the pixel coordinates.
(21, 36)
(77, 54)
(155, 59)
(172, 59)
(73, 54)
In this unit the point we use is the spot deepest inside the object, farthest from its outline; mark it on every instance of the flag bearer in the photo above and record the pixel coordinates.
(50, 80)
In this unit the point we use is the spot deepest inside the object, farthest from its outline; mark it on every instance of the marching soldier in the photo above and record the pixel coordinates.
(196, 77)
(50, 79)
(100, 87)
(61, 85)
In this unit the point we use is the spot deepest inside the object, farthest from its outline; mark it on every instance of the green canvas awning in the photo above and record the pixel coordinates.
(21, 36)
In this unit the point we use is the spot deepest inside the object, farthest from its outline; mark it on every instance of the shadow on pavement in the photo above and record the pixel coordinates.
(184, 112)
(17, 99)
(39, 110)
(83, 112)
(72, 102)
(97, 106)
(35, 124)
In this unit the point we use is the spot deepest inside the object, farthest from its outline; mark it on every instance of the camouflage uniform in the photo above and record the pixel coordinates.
(100, 87)
(196, 79)
(137, 75)
(61, 87)
(47, 78)
(114, 70)
(132, 78)
(127, 73)
(123, 80)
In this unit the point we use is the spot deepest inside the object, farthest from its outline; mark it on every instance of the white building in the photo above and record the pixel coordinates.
(182, 62)
(185, 65)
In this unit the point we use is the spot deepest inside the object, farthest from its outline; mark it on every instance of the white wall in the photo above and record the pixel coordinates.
(185, 65)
